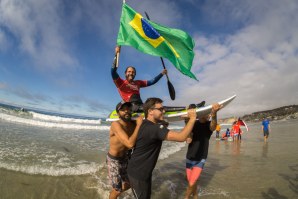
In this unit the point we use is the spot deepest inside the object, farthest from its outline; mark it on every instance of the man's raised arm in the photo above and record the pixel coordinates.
(182, 135)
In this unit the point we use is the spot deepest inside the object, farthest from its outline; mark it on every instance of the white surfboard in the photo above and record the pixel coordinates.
(172, 117)
(177, 115)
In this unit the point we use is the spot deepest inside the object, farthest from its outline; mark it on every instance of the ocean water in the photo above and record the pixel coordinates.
(44, 155)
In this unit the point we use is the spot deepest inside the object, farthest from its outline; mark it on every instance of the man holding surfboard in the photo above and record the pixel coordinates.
(148, 145)
(197, 151)
(129, 89)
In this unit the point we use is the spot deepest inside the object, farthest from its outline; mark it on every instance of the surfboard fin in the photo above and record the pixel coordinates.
(201, 104)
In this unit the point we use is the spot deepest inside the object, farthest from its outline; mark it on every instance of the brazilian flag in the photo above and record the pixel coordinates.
(154, 39)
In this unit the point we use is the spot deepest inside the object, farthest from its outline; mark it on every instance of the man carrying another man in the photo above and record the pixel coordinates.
(148, 144)
(123, 134)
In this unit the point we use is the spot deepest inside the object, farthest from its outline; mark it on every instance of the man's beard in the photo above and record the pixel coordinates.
(130, 77)
(125, 119)
(159, 119)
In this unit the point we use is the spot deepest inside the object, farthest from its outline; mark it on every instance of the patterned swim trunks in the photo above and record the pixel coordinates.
(117, 171)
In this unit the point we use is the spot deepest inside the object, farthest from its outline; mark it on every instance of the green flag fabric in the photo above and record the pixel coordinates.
(154, 39)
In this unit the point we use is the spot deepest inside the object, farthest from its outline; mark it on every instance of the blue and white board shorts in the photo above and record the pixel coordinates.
(190, 164)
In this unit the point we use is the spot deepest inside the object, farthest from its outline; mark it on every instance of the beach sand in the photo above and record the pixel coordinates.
(20, 185)
(246, 169)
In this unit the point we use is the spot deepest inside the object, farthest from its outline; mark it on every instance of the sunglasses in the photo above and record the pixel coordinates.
(161, 109)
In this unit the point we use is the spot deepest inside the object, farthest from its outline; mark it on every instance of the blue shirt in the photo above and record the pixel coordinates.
(228, 133)
(265, 124)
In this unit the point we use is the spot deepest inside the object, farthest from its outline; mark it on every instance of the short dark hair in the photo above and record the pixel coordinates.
(150, 103)
(132, 68)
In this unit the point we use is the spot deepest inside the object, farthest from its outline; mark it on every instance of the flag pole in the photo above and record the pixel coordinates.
(117, 56)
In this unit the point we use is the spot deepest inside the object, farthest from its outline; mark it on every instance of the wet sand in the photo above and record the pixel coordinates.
(250, 169)
(246, 169)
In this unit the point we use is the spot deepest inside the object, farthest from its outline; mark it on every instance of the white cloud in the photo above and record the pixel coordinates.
(258, 63)
(48, 32)
(37, 28)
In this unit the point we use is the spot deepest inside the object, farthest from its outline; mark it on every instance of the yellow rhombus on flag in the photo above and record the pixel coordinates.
(154, 39)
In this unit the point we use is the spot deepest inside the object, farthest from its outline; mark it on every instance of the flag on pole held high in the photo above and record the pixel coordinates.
(154, 39)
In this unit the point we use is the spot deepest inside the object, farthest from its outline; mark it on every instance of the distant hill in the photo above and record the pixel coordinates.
(285, 112)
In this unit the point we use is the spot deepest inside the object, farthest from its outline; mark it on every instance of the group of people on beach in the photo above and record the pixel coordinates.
(135, 145)
(235, 134)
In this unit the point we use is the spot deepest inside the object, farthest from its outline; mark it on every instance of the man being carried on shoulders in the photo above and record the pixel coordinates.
(129, 89)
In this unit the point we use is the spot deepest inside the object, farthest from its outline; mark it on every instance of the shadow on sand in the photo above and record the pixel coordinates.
(169, 180)
(292, 180)
(272, 194)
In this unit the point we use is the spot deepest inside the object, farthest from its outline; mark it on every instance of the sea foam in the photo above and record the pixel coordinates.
(43, 117)
(51, 124)
(80, 169)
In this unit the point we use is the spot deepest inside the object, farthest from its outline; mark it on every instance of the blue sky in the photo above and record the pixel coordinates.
(56, 55)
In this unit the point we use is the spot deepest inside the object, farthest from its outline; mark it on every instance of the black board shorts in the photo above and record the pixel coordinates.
(266, 133)
(141, 189)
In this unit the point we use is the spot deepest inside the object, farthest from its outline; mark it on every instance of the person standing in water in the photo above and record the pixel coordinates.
(123, 134)
(197, 151)
(265, 128)
(217, 130)
(148, 145)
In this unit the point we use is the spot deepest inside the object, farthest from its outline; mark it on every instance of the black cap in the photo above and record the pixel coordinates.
(121, 104)
(191, 106)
